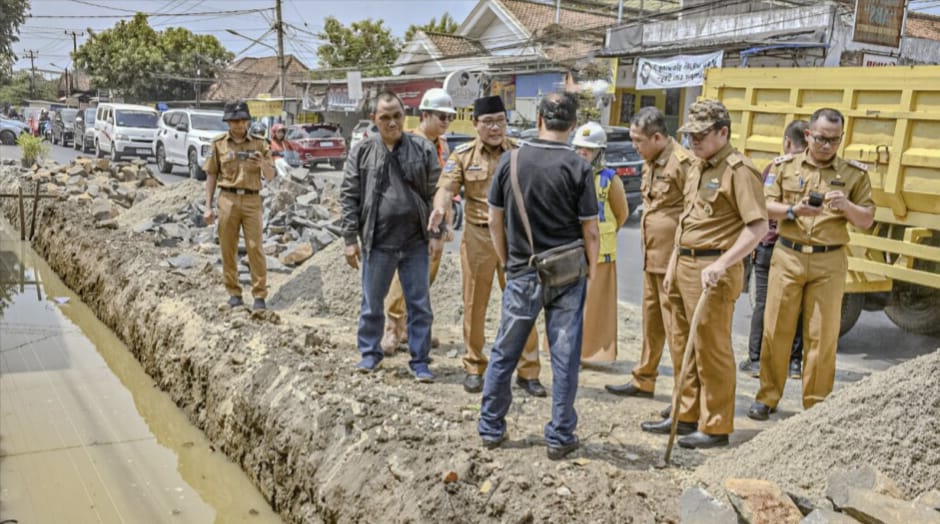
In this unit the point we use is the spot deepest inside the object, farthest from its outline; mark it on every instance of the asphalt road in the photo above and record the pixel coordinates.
(874, 344)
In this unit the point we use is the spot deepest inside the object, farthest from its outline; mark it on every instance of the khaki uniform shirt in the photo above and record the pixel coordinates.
(722, 195)
(472, 166)
(662, 188)
(232, 172)
(792, 177)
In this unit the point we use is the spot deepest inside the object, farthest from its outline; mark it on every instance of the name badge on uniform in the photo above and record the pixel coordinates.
(475, 168)
(712, 184)
(837, 182)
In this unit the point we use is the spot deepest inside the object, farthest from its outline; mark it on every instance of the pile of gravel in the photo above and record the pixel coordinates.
(890, 421)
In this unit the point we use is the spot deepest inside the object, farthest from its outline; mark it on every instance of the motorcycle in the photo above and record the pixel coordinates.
(46, 131)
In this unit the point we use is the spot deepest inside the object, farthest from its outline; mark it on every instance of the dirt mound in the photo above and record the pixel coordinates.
(163, 200)
(890, 421)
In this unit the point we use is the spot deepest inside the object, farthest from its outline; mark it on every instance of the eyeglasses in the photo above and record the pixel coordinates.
(492, 122)
(827, 140)
(445, 117)
(702, 135)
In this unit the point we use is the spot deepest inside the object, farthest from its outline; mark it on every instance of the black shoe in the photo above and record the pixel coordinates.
(760, 411)
(663, 427)
(235, 301)
(699, 440)
(560, 452)
(796, 369)
(751, 367)
(473, 383)
(259, 305)
(532, 387)
(666, 412)
(628, 390)
(492, 443)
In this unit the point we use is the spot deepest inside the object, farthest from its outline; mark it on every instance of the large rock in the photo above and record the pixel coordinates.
(322, 238)
(308, 198)
(762, 501)
(296, 253)
(827, 516)
(697, 506)
(867, 478)
(275, 266)
(874, 508)
(183, 261)
(931, 499)
(102, 164)
(76, 170)
(103, 210)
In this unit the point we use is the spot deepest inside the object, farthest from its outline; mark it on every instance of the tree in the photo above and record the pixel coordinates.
(366, 46)
(15, 89)
(446, 25)
(14, 14)
(145, 65)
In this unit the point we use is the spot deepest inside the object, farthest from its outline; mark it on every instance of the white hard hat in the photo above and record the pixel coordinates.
(437, 99)
(591, 136)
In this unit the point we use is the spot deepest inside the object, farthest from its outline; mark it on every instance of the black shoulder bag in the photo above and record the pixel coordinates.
(558, 266)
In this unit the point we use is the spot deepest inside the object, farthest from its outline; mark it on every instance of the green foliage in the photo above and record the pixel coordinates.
(365, 45)
(446, 25)
(13, 15)
(587, 108)
(34, 149)
(146, 65)
(16, 88)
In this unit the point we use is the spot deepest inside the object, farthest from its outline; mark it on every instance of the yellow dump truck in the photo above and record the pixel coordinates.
(893, 126)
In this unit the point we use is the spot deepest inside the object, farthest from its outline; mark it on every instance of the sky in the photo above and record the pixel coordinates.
(45, 31)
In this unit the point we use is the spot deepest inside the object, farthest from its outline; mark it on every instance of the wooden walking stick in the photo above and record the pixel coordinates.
(686, 356)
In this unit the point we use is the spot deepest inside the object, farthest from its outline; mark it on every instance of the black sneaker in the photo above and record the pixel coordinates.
(751, 367)
(796, 369)
(235, 301)
(560, 452)
(259, 305)
(493, 443)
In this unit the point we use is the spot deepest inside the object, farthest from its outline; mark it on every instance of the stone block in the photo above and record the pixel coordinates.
(182, 261)
(275, 266)
(309, 198)
(296, 253)
(102, 164)
(322, 238)
(762, 501)
(867, 478)
(76, 170)
(874, 508)
(827, 516)
(102, 209)
(697, 506)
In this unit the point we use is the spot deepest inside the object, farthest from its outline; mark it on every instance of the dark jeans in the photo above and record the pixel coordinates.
(523, 299)
(761, 268)
(377, 271)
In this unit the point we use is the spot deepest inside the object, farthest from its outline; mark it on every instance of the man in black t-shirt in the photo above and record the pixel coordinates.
(558, 191)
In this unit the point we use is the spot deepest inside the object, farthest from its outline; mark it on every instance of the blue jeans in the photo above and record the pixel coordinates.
(378, 268)
(523, 299)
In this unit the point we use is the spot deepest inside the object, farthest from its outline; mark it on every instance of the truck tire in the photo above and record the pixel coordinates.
(915, 308)
(851, 309)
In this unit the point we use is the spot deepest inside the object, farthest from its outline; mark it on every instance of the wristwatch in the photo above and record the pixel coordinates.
(790, 214)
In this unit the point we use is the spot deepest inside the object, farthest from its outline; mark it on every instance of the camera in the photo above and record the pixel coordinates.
(816, 199)
(243, 155)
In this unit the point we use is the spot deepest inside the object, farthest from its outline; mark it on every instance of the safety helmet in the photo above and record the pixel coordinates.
(258, 128)
(277, 127)
(591, 136)
(437, 99)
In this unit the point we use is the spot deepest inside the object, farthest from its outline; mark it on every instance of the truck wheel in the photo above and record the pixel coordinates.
(915, 308)
(164, 166)
(851, 309)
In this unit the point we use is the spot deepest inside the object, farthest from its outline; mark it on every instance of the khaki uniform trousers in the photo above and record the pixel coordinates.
(478, 263)
(816, 282)
(241, 212)
(395, 313)
(599, 338)
(707, 394)
(656, 321)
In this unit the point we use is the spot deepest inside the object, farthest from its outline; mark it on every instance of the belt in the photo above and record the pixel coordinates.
(239, 191)
(485, 224)
(686, 252)
(803, 248)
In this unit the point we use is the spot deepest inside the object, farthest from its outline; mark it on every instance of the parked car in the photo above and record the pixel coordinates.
(11, 129)
(318, 144)
(623, 158)
(125, 130)
(63, 126)
(84, 130)
(363, 129)
(455, 139)
(183, 139)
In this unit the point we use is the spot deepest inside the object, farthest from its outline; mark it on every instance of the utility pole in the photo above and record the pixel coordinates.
(32, 55)
(280, 48)
(75, 35)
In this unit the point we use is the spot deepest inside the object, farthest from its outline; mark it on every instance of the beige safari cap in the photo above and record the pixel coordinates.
(703, 115)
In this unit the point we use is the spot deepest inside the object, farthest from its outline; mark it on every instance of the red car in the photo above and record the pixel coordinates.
(318, 144)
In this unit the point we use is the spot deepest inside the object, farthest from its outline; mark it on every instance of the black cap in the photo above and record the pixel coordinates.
(488, 105)
(236, 111)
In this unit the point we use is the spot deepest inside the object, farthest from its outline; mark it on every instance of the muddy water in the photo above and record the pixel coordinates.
(85, 434)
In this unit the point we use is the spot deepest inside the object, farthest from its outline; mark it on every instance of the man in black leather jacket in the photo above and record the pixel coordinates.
(386, 195)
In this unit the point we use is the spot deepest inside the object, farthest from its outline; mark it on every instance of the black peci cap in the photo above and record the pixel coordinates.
(488, 105)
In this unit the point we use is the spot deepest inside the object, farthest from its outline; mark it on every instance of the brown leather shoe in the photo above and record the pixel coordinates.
(532, 387)
(699, 440)
(628, 390)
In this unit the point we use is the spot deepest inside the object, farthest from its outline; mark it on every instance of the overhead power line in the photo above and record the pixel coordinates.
(204, 13)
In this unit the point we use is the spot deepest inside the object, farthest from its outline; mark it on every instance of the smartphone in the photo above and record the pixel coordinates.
(816, 199)
(243, 155)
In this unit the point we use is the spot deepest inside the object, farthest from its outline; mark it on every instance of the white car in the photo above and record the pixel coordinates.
(183, 139)
(124, 130)
(364, 129)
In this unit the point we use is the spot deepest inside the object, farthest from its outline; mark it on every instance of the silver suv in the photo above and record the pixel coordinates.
(183, 139)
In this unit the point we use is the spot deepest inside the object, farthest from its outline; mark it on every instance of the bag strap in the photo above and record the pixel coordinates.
(517, 194)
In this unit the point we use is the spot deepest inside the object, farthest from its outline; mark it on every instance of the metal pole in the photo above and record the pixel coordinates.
(22, 216)
(32, 225)
(620, 11)
(557, 11)
(280, 49)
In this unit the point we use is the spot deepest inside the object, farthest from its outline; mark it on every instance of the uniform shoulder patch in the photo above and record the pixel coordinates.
(782, 158)
(735, 159)
(220, 136)
(858, 165)
(738, 161)
(682, 155)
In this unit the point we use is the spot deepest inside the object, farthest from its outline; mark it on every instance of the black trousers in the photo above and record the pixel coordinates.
(761, 268)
